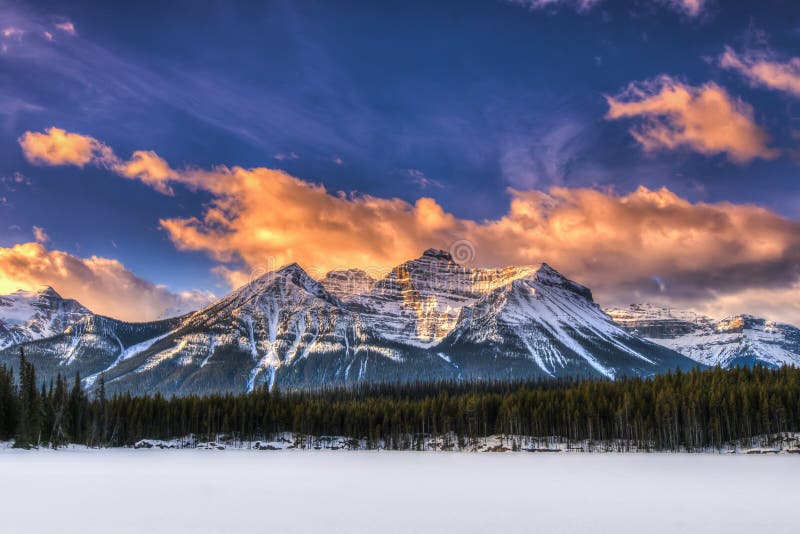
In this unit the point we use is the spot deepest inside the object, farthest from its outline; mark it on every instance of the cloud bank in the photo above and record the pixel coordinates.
(643, 245)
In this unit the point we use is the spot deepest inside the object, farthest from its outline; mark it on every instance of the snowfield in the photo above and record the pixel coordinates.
(239, 491)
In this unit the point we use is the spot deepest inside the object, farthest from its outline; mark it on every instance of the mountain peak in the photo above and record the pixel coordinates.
(293, 267)
(43, 291)
(49, 292)
(283, 278)
(437, 254)
(545, 271)
(548, 276)
(36, 314)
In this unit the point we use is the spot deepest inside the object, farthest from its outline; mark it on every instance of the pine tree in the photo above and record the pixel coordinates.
(30, 408)
(76, 409)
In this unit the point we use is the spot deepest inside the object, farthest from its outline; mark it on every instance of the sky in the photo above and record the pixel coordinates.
(153, 155)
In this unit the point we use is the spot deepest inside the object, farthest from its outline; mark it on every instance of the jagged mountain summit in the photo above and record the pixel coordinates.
(31, 315)
(427, 319)
(418, 303)
(739, 340)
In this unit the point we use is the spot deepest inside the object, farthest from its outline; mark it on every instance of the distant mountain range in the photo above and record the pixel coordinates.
(428, 319)
(740, 340)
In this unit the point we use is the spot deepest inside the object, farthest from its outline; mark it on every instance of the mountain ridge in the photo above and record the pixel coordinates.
(427, 319)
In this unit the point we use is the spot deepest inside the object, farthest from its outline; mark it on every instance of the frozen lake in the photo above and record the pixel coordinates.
(194, 491)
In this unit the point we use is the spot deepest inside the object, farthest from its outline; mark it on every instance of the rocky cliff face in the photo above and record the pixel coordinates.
(419, 301)
(345, 283)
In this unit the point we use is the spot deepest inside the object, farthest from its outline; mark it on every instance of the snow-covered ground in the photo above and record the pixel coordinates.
(240, 491)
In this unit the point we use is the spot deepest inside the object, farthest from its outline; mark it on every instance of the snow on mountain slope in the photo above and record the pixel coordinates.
(283, 328)
(554, 322)
(428, 319)
(740, 340)
(88, 346)
(31, 315)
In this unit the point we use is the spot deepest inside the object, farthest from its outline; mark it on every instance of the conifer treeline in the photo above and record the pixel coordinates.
(693, 410)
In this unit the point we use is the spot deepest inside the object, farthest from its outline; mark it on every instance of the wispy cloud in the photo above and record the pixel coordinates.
(15, 181)
(96, 81)
(762, 69)
(11, 32)
(689, 8)
(580, 6)
(40, 235)
(419, 179)
(542, 156)
(706, 119)
(286, 156)
(67, 27)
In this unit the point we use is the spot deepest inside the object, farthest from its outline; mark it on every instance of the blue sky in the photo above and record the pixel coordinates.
(457, 101)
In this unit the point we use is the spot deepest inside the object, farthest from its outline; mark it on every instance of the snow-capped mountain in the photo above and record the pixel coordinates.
(31, 315)
(282, 329)
(427, 319)
(555, 323)
(739, 340)
(419, 301)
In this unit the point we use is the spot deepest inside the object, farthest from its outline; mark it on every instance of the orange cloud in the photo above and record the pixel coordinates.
(103, 285)
(59, 147)
(55, 147)
(704, 119)
(148, 167)
(262, 215)
(761, 70)
(644, 245)
(619, 245)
